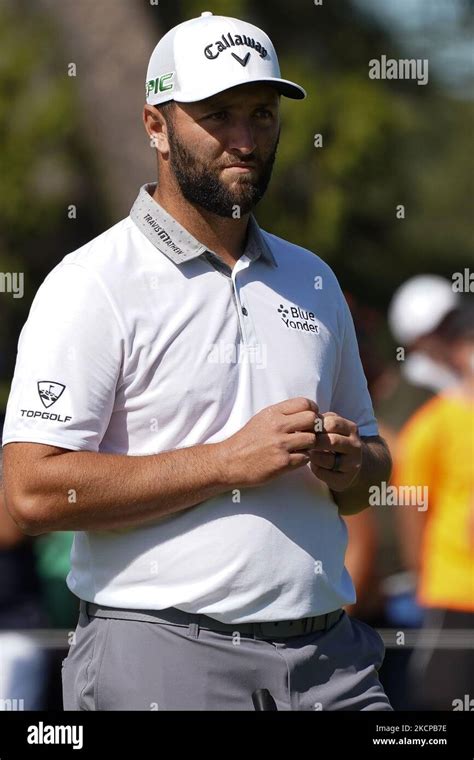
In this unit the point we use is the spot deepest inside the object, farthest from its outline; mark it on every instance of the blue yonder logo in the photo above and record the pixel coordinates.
(296, 318)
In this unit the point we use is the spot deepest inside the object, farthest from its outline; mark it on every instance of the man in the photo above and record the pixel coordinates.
(187, 400)
(417, 314)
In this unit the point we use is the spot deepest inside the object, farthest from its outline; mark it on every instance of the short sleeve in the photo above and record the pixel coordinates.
(351, 398)
(417, 447)
(69, 360)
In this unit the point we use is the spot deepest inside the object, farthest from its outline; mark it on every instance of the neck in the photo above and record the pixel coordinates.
(225, 236)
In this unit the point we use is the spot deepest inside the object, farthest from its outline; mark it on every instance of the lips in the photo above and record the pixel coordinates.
(241, 166)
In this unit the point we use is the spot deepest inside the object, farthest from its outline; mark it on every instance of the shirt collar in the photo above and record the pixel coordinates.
(172, 239)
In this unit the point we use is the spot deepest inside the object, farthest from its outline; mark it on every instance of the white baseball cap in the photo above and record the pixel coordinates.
(209, 54)
(419, 306)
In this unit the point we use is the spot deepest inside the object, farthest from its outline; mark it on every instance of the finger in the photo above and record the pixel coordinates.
(298, 404)
(332, 479)
(333, 442)
(337, 481)
(332, 423)
(292, 423)
(298, 459)
(326, 460)
(300, 440)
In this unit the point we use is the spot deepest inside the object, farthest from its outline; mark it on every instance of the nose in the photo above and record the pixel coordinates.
(241, 138)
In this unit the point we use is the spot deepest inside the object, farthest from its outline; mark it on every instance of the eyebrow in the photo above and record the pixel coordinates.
(222, 105)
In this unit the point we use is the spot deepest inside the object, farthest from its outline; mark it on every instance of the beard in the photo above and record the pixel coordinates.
(202, 186)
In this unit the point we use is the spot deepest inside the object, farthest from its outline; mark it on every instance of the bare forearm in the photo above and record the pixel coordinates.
(376, 467)
(91, 491)
(49, 488)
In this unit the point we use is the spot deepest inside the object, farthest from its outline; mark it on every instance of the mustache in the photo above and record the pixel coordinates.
(242, 161)
(259, 163)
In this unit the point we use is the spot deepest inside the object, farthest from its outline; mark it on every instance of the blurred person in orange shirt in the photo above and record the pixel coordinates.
(436, 451)
(417, 315)
(386, 588)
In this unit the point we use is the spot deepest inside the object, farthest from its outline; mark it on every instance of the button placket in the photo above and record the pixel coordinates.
(238, 306)
(242, 312)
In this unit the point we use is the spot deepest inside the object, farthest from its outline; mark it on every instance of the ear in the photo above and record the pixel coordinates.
(156, 128)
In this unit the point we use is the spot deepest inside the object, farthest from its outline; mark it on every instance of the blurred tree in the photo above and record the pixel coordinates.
(110, 43)
(67, 141)
(45, 163)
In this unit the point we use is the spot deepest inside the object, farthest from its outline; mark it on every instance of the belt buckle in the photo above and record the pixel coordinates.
(257, 631)
(270, 630)
(261, 631)
(266, 630)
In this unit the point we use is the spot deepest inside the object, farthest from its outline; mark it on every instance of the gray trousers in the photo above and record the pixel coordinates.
(134, 665)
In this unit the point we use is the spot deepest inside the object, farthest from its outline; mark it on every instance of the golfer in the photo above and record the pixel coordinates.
(188, 398)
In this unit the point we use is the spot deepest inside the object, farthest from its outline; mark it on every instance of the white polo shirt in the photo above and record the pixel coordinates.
(140, 342)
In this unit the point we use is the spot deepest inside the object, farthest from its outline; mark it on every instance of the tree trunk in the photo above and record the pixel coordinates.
(110, 42)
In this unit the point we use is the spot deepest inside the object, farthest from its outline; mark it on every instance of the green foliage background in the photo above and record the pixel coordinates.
(44, 163)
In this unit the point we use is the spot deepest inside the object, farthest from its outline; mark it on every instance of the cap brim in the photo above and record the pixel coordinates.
(288, 89)
(284, 86)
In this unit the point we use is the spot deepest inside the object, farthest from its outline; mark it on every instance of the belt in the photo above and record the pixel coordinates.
(174, 616)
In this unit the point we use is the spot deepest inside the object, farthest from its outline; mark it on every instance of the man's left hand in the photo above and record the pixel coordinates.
(337, 445)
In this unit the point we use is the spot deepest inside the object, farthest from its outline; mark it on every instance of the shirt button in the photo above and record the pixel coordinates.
(244, 311)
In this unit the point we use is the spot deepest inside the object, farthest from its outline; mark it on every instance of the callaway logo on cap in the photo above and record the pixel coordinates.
(209, 54)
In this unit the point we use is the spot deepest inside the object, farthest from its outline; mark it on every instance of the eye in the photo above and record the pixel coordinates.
(265, 113)
(217, 116)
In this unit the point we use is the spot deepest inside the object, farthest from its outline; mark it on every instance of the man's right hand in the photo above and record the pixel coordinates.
(272, 442)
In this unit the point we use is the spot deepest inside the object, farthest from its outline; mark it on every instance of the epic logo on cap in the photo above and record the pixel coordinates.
(159, 84)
